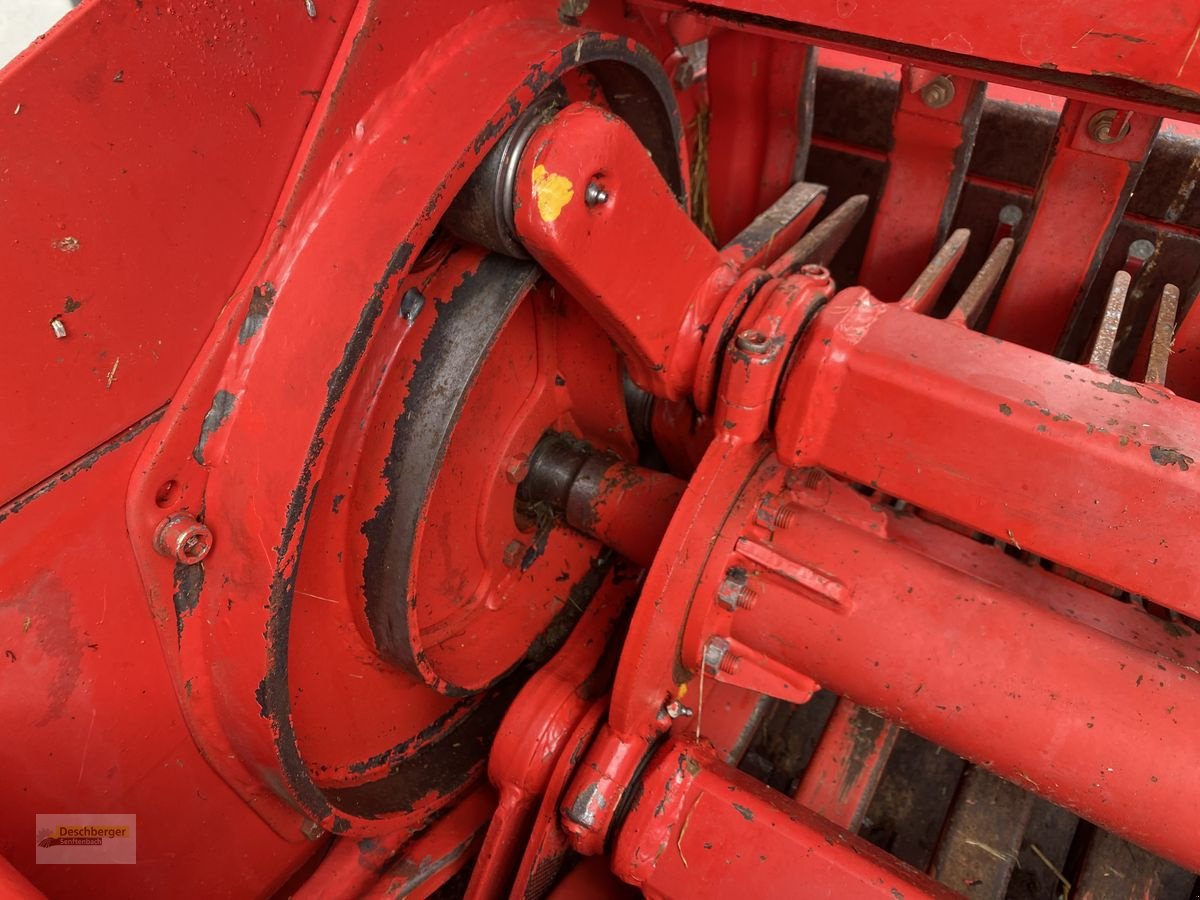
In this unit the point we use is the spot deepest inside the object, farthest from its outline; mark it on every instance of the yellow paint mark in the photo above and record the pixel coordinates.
(682, 690)
(552, 192)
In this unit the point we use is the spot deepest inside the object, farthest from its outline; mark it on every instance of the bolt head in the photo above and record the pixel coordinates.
(732, 588)
(714, 652)
(938, 93)
(516, 468)
(311, 830)
(595, 195)
(817, 273)
(1101, 127)
(752, 341)
(675, 710)
(183, 539)
(513, 553)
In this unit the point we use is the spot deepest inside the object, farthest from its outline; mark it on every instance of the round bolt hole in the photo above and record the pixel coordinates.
(166, 494)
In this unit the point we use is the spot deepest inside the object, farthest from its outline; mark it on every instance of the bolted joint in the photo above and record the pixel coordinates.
(595, 195)
(311, 830)
(717, 657)
(516, 467)
(817, 273)
(938, 93)
(184, 539)
(734, 593)
(1108, 126)
(753, 341)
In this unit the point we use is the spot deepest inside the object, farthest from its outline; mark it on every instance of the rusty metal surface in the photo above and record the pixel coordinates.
(979, 847)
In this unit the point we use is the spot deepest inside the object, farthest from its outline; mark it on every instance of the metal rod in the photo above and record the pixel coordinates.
(1164, 335)
(925, 291)
(847, 764)
(1110, 322)
(1032, 693)
(971, 305)
(820, 245)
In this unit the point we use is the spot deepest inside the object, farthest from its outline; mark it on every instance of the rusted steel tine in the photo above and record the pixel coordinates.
(974, 299)
(1164, 335)
(928, 287)
(847, 764)
(1110, 322)
(784, 221)
(821, 244)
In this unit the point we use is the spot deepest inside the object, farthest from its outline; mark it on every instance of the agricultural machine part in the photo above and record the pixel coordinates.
(608, 444)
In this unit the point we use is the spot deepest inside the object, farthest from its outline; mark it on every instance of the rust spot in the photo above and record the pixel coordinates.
(865, 731)
(222, 406)
(745, 812)
(261, 301)
(1169, 456)
(1120, 387)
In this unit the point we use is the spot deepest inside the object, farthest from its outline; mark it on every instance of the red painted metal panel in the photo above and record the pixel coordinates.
(142, 151)
(926, 170)
(91, 722)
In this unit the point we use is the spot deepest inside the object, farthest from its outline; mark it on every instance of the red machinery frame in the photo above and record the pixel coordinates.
(253, 309)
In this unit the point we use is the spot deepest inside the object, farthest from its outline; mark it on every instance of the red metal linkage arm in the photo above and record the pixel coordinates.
(595, 213)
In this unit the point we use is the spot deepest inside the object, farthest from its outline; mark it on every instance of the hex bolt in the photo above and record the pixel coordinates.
(595, 195)
(718, 658)
(513, 554)
(516, 468)
(752, 341)
(1108, 126)
(312, 830)
(59, 329)
(734, 593)
(938, 93)
(183, 538)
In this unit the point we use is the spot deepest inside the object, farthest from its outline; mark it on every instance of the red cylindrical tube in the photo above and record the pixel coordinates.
(698, 826)
(1065, 461)
(1099, 724)
(625, 506)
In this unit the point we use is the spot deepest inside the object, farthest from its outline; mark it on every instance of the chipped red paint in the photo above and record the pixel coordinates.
(242, 303)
